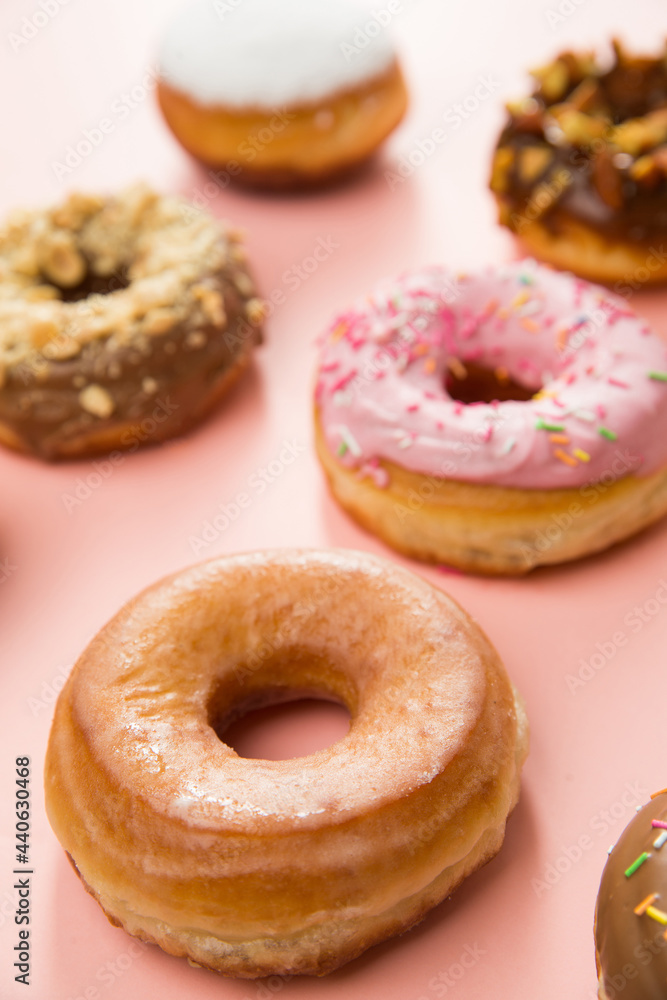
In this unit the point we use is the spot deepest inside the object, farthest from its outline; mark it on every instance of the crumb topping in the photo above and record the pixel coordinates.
(126, 269)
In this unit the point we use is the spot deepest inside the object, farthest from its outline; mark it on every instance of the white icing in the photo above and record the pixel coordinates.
(270, 53)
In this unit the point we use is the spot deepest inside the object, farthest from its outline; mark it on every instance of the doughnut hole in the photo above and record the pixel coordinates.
(91, 284)
(284, 705)
(474, 383)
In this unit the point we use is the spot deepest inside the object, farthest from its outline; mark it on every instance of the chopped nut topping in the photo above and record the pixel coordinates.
(211, 302)
(255, 311)
(244, 284)
(554, 80)
(60, 261)
(502, 164)
(637, 135)
(96, 400)
(158, 322)
(164, 265)
(579, 129)
(195, 339)
(533, 161)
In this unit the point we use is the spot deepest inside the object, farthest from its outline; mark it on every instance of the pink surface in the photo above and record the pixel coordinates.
(524, 923)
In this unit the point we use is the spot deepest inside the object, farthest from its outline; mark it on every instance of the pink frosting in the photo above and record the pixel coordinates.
(599, 372)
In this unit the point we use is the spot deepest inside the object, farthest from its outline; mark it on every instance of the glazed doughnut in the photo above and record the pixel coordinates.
(258, 867)
(630, 918)
(563, 454)
(123, 320)
(580, 171)
(280, 95)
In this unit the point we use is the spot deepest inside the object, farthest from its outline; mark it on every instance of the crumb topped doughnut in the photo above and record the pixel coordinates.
(630, 915)
(112, 308)
(261, 867)
(580, 171)
(564, 453)
(280, 94)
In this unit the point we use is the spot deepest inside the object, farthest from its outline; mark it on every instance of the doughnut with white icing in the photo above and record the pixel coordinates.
(280, 94)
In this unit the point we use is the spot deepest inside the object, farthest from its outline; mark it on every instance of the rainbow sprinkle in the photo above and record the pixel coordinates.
(542, 425)
(349, 440)
(644, 856)
(660, 840)
(656, 914)
(645, 903)
(582, 455)
(606, 433)
(530, 325)
(563, 456)
(659, 823)
(658, 376)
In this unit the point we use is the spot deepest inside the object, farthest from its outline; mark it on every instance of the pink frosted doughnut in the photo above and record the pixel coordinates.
(490, 485)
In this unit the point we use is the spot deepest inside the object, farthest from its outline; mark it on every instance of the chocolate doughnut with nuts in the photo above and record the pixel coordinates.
(580, 169)
(111, 307)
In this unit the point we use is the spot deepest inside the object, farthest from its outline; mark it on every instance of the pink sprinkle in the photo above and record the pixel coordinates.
(458, 408)
(600, 410)
(412, 408)
(617, 381)
(487, 433)
(548, 320)
(440, 425)
(379, 476)
(468, 328)
(527, 364)
(330, 366)
(659, 823)
(558, 402)
(579, 289)
(474, 354)
(342, 382)
(571, 378)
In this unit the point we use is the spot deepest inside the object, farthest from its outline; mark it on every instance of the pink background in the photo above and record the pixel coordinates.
(596, 749)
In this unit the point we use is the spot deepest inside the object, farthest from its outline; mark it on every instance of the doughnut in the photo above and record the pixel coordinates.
(123, 320)
(580, 169)
(280, 95)
(494, 421)
(630, 917)
(257, 867)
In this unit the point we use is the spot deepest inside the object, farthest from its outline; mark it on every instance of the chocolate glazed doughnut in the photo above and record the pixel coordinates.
(580, 170)
(630, 917)
(116, 315)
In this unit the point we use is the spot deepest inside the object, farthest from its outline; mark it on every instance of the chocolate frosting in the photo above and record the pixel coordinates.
(563, 155)
(122, 321)
(631, 948)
